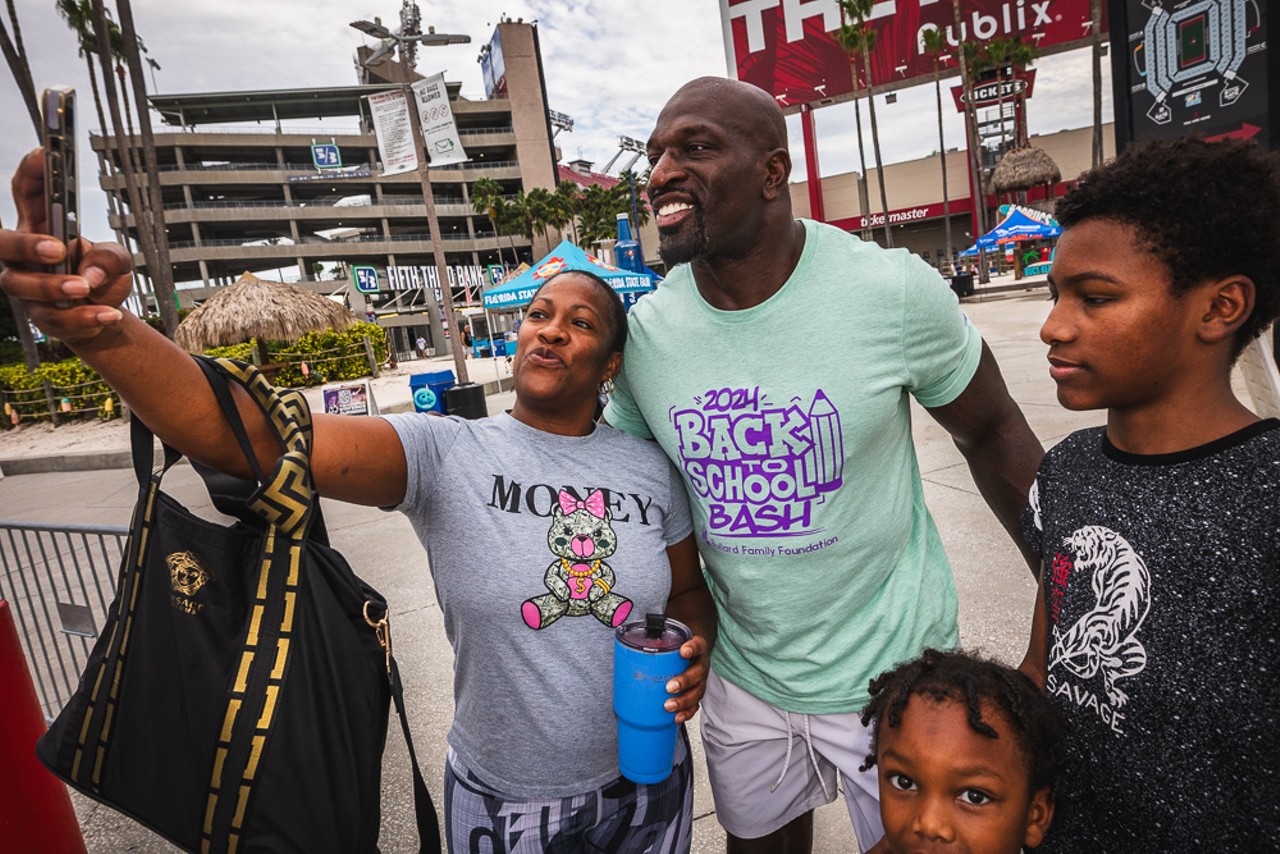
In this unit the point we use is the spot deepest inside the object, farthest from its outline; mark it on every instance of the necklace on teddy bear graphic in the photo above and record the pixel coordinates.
(591, 569)
(569, 567)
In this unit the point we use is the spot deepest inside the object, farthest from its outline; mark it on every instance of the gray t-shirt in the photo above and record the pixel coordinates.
(538, 545)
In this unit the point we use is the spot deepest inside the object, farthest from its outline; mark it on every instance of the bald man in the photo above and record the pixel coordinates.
(773, 366)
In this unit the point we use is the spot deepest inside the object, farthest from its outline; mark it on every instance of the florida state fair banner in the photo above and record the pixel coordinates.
(785, 46)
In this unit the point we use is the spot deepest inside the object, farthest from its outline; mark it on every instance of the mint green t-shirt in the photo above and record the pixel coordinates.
(791, 427)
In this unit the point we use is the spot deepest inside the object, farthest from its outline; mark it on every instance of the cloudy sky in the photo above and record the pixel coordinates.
(610, 64)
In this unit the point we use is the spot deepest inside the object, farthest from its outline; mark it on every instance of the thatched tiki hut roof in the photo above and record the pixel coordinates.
(1024, 168)
(254, 308)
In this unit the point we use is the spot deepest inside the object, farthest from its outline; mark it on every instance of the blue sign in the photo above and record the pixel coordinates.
(424, 398)
(326, 156)
(366, 279)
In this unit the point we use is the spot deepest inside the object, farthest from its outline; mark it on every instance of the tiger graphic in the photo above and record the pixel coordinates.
(1106, 638)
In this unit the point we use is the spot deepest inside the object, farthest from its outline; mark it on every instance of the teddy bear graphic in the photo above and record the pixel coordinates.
(581, 537)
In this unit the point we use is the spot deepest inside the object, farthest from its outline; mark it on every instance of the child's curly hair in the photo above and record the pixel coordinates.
(1203, 209)
(971, 680)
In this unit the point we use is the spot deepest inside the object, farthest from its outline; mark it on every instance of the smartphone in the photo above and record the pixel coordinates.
(61, 175)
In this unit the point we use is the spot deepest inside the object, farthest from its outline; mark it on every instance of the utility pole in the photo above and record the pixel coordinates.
(407, 41)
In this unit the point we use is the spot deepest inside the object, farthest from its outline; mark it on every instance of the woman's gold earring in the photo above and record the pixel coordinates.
(606, 387)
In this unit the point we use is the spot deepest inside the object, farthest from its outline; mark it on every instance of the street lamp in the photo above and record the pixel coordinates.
(407, 41)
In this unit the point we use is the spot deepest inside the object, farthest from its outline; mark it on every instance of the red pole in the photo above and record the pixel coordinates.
(35, 811)
(811, 163)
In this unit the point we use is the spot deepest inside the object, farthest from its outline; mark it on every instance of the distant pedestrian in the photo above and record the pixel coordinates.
(421, 345)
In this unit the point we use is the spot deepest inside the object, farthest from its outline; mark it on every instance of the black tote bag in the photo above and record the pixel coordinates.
(237, 698)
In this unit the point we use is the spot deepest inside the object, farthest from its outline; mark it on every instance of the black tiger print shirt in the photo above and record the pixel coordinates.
(1161, 585)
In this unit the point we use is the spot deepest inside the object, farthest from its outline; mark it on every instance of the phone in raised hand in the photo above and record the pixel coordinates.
(61, 175)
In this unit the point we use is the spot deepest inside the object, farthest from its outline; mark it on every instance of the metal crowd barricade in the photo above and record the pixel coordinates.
(59, 580)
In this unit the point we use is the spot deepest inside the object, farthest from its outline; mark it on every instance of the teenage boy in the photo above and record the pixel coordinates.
(1156, 627)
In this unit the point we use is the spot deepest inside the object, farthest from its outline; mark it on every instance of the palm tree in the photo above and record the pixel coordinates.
(632, 187)
(563, 207)
(1020, 55)
(597, 210)
(531, 209)
(859, 40)
(506, 220)
(142, 224)
(599, 207)
(486, 195)
(968, 54)
(936, 46)
(15, 55)
(1095, 39)
(846, 39)
(996, 52)
(162, 278)
(79, 17)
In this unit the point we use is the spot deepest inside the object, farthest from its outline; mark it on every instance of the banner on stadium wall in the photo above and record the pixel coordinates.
(439, 130)
(390, 113)
(785, 46)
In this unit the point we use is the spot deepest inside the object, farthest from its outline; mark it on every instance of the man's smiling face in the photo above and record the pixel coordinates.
(707, 176)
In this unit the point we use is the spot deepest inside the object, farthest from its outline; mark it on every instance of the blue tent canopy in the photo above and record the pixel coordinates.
(518, 291)
(1015, 227)
(1018, 226)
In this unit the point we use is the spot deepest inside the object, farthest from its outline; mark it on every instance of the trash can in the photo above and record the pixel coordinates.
(962, 284)
(466, 401)
(428, 390)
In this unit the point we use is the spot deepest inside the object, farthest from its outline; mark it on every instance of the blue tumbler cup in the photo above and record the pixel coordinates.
(646, 655)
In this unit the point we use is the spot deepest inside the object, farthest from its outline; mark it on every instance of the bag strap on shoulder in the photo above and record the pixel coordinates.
(286, 498)
(289, 412)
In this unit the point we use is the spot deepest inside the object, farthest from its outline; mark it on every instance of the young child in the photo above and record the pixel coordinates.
(969, 753)
(1155, 631)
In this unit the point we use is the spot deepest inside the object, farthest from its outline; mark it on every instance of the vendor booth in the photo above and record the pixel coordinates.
(518, 291)
(1016, 227)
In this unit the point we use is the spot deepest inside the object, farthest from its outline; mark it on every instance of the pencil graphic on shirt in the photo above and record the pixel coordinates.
(828, 445)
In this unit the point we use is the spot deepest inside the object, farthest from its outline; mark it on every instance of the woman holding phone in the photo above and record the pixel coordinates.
(545, 531)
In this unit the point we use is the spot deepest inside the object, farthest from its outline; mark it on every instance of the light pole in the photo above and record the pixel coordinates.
(407, 41)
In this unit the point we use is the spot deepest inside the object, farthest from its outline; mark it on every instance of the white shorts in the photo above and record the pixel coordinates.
(768, 767)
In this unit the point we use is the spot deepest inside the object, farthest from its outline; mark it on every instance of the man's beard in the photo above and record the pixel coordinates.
(690, 244)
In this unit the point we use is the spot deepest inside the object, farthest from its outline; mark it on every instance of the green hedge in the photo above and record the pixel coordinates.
(330, 356)
(78, 392)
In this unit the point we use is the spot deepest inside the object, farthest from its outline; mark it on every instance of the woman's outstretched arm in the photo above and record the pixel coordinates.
(353, 459)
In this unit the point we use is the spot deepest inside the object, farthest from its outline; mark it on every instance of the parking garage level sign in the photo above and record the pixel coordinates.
(326, 156)
(366, 279)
